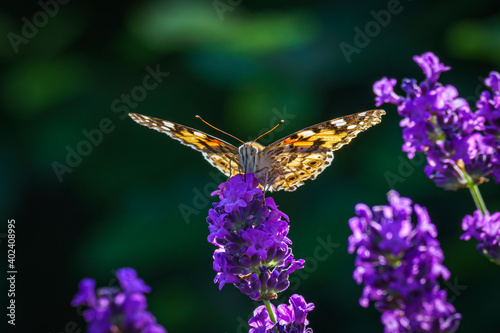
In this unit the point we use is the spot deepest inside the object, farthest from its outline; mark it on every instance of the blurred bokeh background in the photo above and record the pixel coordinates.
(133, 197)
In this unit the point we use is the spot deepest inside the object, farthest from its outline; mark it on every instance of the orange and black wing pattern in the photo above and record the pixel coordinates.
(222, 155)
(306, 153)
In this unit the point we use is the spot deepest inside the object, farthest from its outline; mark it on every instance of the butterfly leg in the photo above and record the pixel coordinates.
(230, 169)
(237, 169)
(267, 183)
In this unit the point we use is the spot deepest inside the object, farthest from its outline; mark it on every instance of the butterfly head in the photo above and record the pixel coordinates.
(248, 154)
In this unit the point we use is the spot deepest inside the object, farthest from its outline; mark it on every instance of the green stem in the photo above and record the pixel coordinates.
(478, 198)
(474, 191)
(271, 313)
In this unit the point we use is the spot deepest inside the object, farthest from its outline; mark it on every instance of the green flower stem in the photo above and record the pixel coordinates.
(478, 198)
(271, 313)
(474, 191)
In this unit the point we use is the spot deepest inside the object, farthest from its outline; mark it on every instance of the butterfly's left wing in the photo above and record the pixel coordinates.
(306, 153)
(222, 155)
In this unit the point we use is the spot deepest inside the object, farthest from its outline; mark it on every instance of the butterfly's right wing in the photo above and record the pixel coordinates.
(306, 153)
(222, 155)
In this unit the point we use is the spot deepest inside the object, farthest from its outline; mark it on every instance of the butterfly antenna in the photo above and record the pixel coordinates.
(272, 129)
(198, 117)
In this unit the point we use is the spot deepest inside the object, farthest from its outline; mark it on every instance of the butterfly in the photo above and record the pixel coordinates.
(282, 165)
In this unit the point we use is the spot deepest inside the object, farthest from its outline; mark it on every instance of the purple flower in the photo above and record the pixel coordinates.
(431, 66)
(261, 322)
(384, 89)
(250, 232)
(399, 265)
(116, 309)
(462, 146)
(289, 318)
(489, 109)
(86, 293)
(259, 242)
(486, 230)
(493, 81)
(130, 282)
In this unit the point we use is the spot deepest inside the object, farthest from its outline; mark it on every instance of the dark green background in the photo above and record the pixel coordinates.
(120, 205)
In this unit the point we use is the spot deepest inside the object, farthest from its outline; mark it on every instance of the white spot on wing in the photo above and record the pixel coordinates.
(168, 124)
(338, 122)
(199, 134)
(351, 127)
(306, 134)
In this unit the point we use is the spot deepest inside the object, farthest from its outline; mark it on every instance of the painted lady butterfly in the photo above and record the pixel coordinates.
(282, 165)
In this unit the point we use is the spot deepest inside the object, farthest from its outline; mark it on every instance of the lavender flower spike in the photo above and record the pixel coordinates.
(399, 265)
(116, 309)
(250, 232)
(462, 145)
